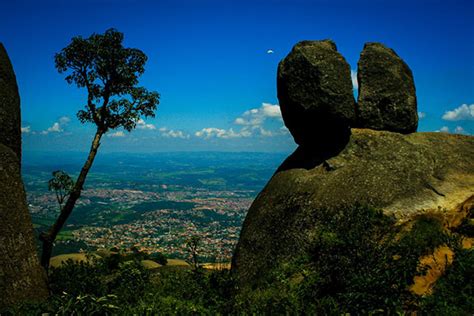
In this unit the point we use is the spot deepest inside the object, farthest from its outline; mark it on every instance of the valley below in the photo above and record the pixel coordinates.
(151, 202)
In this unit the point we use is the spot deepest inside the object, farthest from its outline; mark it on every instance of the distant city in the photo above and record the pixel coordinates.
(152, 202)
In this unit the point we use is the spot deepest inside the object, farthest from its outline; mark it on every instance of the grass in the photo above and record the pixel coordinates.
(216, 266)
(65, 235)
(58, 261)
(177, 262)
(150, 264)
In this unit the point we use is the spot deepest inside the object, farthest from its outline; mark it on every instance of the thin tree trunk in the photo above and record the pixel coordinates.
(49, 237)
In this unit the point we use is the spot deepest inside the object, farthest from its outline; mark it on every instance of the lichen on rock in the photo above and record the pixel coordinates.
(315, 94)
(387, 95)
(22, 279)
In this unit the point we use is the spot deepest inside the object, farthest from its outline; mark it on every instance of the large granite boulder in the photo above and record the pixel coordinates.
(315, 95)
(404, 175)
(22, 278)
(10, 118)
(387, 98)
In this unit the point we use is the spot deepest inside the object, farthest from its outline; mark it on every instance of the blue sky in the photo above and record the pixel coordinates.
(209, 62)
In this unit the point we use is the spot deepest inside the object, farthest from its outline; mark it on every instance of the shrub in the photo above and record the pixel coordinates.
(79, 278)
(130, 281)
(358, 262)
(454, 291)
(159, 258)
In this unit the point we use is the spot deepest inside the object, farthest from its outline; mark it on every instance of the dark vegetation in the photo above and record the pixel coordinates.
(359, 263)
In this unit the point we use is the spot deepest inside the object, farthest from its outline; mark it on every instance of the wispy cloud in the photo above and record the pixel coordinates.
(457, 130)
(251, 123)
(57, 127)
(116, 134)
(210, 132)
(460, 130)
(443, 129)
(141, 124)
(170, 133)
(64, 120)
(464, 112)
(26, 129)
(256, 117)
(355, 83)
(421, 115)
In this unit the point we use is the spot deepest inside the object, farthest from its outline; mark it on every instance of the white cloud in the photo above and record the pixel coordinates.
(464, 112)
(210, 132)
(239, 121)
(443, 129)
(457, 130)
(251, 123)
(271, 110)
(265, 132)
(141, 124)
(57, 127)
(256, 117)
(355, 83)
(460, 130)
(421, 115)
(270, 51)
(170, 133)
(116, 134)
(63, 120)
(26, 129)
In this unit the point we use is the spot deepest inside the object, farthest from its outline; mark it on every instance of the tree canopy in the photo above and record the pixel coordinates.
(62, 184)
(109, 72)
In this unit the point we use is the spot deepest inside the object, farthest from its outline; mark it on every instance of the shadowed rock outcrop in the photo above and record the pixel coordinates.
(10, 118)
(401, 174)
(387, 97)
(21, 276)
(315, 95)
(352, 215)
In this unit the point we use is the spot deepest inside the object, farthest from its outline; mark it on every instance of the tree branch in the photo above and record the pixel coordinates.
(90, 104)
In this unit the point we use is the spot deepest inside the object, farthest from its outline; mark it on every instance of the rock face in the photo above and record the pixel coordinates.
(401, 174)
(10, 120)
(21, 276)
(387, 99)
(315, 94)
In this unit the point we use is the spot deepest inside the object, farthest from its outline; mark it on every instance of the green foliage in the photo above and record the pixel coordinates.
(62, 184)
(100, 277)
(454, 291)
(130, 281)
(467, 226)
(109, 72)
(425, 235)
(359, 262)
(85, 304)
(79, 278)
(159, 258)
(193, 244)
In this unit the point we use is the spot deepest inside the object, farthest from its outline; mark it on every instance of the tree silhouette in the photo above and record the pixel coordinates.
(62, 184)
(109, 72)
(193, 244)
